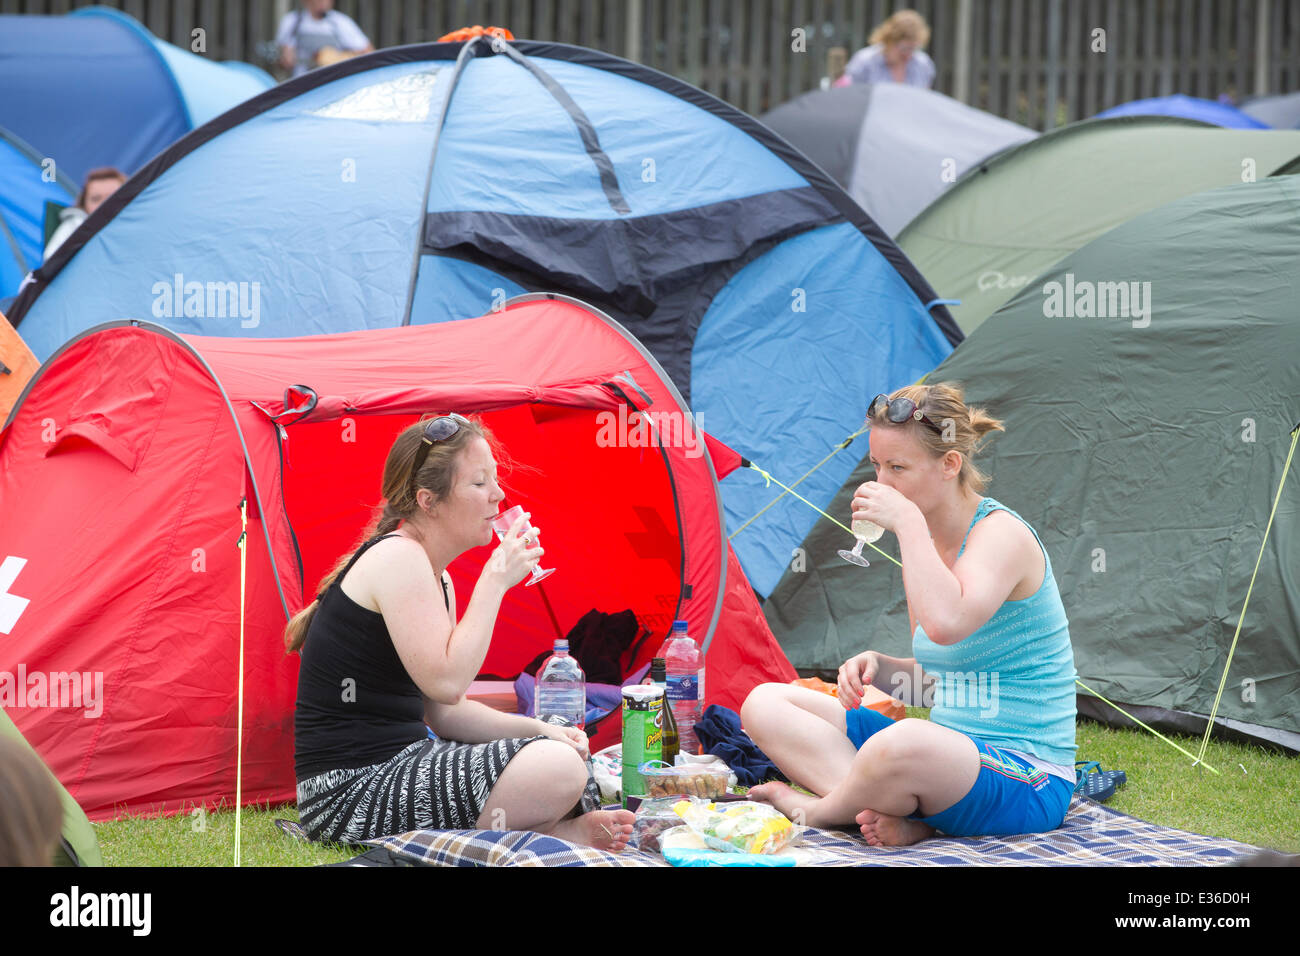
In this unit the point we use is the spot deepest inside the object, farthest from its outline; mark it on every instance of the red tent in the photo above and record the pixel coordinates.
(122, 472)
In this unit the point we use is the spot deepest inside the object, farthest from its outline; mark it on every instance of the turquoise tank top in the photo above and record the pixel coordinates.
(1011, 682)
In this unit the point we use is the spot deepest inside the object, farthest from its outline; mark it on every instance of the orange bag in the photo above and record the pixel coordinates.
(872, 697)
(17, 366)
(467, 33)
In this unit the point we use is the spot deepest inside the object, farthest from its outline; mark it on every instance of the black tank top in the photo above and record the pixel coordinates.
(357, 705)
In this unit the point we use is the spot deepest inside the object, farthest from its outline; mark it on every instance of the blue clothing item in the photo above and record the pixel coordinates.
(1010, 682)
(1009, 795)
(868, 66)
(718, 731)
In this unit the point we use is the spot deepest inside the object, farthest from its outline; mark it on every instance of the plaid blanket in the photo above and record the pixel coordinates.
(1092, 835)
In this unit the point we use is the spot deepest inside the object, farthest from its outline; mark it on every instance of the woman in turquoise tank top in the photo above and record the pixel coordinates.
(992, 657)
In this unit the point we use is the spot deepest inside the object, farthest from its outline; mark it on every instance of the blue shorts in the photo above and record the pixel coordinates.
(1009, 795)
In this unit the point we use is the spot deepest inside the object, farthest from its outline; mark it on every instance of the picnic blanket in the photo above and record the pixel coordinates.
(1092, 835)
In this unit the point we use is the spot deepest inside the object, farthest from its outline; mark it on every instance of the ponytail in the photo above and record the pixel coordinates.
(962, 427)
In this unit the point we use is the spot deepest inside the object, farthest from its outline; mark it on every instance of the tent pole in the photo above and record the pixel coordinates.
(239, 714)
(961, 54)
(465, 55)
(1053, 61)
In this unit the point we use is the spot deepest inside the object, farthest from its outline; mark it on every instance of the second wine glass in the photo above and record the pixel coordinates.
(867, 532)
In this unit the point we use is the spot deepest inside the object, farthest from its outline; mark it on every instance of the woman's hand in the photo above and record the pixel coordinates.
(882, 504)
(517, 554)
(856, 674)
(572, 736)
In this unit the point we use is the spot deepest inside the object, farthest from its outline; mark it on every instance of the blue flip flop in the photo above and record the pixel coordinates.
(1095, 783)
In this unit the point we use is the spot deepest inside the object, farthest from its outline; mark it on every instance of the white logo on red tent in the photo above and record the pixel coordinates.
(11, 605)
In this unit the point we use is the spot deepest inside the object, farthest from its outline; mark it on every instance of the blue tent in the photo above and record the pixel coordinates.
(95, 88)
(25, 187)
(429, 183)
(1188, 107)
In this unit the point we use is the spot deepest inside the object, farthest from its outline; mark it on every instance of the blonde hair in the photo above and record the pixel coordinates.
(437, 475)
(962, 427)
(902, 26)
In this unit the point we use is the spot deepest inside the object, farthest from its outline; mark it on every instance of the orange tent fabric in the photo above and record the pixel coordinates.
(17, 365)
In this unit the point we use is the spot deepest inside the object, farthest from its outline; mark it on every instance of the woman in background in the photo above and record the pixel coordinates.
(100, 184)
(895, 54)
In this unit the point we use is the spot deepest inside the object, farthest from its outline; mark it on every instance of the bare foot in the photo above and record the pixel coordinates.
(602, 829)
(799, 807)
(880, 829)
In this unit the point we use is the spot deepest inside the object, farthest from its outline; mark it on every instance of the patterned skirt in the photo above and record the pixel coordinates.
(431, 785)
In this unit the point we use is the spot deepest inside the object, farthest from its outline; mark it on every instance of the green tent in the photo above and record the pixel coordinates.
(79, 846)
(1146, 452)
(1015, 215)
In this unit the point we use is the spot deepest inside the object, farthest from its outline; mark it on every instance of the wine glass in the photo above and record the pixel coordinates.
(501, 525)
(867, 532)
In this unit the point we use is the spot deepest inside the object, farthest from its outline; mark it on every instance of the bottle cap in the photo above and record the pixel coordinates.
(561, 644)
(679, 626)
(642, 693)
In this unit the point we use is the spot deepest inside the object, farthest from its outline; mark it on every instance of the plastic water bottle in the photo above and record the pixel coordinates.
(561, 696)
(685, 683)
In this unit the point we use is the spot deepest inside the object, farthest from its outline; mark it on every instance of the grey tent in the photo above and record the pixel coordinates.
(894, 148)
(1280, 112)
(1147, 452)
(1020, 212)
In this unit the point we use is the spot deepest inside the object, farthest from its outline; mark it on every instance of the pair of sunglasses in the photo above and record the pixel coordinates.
(900, 410)
(438, 429)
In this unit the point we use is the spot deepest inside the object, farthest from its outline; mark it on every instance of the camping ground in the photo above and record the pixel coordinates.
(1254, 799)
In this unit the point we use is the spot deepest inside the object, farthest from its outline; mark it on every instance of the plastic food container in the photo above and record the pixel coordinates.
(664, 780)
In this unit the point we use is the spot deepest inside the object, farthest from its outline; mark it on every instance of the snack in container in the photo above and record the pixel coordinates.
(665, 780)
(741, 827)
(654, 817)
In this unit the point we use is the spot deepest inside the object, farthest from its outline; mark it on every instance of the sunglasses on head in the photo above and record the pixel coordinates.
(436, 430)
(900, 410)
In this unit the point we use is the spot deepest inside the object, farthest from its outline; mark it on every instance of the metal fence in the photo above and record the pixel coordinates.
(1038, 62)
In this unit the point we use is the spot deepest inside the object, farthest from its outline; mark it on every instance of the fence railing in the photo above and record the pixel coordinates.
(1037, 62)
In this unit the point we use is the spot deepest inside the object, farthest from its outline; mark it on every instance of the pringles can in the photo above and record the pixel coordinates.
(643, 735)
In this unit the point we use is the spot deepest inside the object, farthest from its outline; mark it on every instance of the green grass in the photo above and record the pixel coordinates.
(209, 840)
(1255, 798)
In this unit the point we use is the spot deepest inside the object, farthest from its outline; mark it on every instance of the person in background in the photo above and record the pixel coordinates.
(308, 34)
(100, 184)
(895, 54)
(31, 815)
